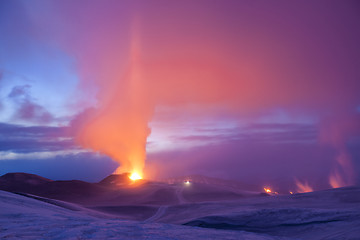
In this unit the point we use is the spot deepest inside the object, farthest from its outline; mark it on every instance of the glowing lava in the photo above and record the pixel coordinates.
(135, 176)
(268, 190)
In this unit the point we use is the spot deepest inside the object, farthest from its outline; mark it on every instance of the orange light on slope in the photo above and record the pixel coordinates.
(303, 187)
(135, 176)
(268, 190)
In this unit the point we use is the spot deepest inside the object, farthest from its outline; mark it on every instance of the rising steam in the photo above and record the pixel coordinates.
(337, 133)
(119, 126)
(303, 187)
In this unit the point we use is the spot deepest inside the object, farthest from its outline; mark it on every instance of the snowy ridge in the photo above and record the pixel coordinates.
(26, 218)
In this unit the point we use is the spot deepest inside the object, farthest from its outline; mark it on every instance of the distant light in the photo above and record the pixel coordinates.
(291, 192)
(187, 182)
(267, 190)
(135, 176)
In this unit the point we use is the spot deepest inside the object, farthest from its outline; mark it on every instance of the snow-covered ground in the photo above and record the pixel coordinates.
(152, 210)
(328, 214)
(26, 218)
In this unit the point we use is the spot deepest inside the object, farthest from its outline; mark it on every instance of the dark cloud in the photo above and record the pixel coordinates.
(24, 146)
(23, 139)
(27, 109)
(33, 131)
(20, 92)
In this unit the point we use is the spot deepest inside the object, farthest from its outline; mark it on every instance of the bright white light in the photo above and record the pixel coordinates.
(135, 176)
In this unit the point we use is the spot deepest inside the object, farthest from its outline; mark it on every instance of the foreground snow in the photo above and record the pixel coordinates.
(25, 218)
(207, 211)
(328, 214)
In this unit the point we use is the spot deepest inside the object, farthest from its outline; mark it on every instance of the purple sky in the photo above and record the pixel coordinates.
(262, 92)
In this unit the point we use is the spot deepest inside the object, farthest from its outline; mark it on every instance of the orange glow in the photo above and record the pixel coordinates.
(303, 187)
(119, 127)
(343, 174)
(336, 180)
(135, 176)
(291, 192)
(267, 190)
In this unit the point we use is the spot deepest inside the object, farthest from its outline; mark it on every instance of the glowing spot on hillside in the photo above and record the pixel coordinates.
(135, 176)
(267, 190)
(303, 187)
